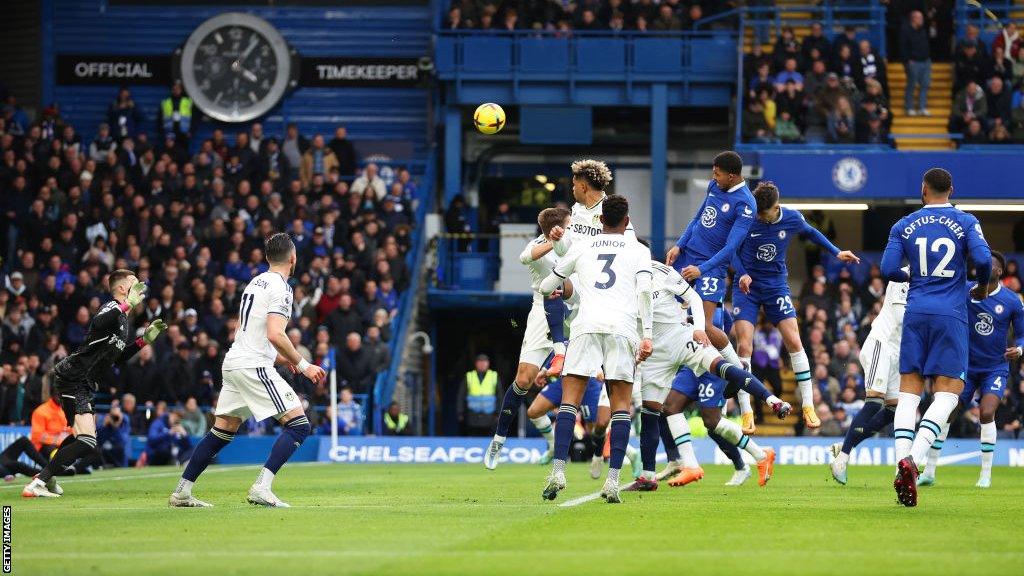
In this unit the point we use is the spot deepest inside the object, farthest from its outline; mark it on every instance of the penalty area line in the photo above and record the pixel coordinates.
(591, 497)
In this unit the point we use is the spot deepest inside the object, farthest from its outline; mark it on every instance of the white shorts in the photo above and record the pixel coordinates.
(537, 345)
(673, 348)
(881, 363)
(588, 354)
(260, 392)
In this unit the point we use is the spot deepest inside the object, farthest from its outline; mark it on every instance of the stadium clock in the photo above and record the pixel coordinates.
(236, 67)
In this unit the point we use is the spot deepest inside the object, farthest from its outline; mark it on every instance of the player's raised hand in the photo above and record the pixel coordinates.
(744, 283)
(155, 328)
(671, 256)
(646, 349)
(979, 292)
(701, 338)
(1012, 353)
(690, 273)
(848, 257)
(556, 233)
(541, 377)
(135, 294)
(315, 373)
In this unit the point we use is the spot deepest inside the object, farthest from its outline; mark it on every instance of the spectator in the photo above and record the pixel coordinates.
(847, 67)
(344, 151)
(478, 398)
(786, 129)
(355, 366)
(317, 161)
(872, 67)
(350, 413)
(762, 79)
(816, 45)
(789, 74)
(786, 47)
(997, 101)
(49, 426)
(396, 422)
(167, 441)
(829, 425)
(1017, 122)
(1010, 42)
(102, 145)
(1000, 66)
(124, 116)
(176, 114)
(840, 123)
(914, 47)
(975, 133)
(755, 126)
(765, 360)
(970, 104)
(970, 66)
(371, 180)
(666, 20)
(193, 420)
(113, 438)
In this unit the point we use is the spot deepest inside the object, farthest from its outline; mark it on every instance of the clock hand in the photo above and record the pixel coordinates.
(249, 75)
(253, 41)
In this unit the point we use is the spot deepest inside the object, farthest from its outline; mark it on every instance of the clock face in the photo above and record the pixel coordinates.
(235, 67)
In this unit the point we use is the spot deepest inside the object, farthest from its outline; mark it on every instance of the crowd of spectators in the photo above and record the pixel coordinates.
(586, 15)
(816, 90)
(191, 222)
(988, 88)
(835, 315)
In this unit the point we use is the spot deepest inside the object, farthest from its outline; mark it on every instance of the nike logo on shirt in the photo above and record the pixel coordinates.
(755, 235)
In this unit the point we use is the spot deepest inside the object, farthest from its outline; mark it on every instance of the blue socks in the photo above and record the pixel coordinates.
(649, 437)
(745, 380)
(860, 428)
(564, 425)
(291, 437)
(619, 438)
(729, 449)
(510, 404)
(671, 450)
(206, 451)
(554, 311)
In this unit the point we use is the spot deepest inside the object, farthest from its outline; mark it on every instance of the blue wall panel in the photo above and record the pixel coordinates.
(544, 55)
(371, 114)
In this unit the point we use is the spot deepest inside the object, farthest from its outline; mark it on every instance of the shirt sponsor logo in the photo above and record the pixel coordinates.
(766, 252)
(984, 324)
(708, 217)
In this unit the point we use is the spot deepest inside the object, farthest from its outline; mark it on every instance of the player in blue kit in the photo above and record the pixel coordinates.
(763, 282)
(938, 241)
(702, 253)
(988, 371)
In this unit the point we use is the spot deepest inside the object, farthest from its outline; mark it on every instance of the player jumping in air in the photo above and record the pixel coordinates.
(613, 281)
(677, 344)
(938, 240)
(988, 373)
(108, 341)
(538, 341)
(703, 252)
(251, 384)
(763, 283)
(880, 357)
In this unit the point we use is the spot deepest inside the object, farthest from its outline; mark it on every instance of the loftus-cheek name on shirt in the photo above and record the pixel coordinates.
(946, 221)
(608, 244)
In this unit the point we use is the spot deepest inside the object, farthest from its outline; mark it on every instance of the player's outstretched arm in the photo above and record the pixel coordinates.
(737, 234)
(566, 266)
(892, 258)
(561, 240)
(534, 252)
(1017, 321)
(151, 333)
(645, 305)
(276, 326)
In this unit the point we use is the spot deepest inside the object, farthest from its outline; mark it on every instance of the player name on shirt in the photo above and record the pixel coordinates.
(953, 225)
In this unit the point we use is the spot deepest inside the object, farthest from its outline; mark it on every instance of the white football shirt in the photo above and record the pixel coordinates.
(606, 270)
(667, 284)
(539, 268)
(888, 326)
(585, 222)
(266, 294)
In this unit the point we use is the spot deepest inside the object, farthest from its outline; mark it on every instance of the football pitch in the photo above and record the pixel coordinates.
(462, 519)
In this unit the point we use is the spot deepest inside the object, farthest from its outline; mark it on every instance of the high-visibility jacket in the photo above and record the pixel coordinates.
(396, 427)
(182, 116)
(49, 425)
(481, 395)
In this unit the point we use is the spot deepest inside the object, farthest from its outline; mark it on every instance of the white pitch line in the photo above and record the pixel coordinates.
(580, 500)
(102, 478)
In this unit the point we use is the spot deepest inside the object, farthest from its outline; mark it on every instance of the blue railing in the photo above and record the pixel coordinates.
(384, 387)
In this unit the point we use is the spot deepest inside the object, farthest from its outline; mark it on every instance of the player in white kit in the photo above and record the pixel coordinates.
(251, 384)
(880, 357)
(611, 332)
(590, 178)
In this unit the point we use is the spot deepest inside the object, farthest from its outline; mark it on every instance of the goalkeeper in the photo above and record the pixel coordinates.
(107, 342)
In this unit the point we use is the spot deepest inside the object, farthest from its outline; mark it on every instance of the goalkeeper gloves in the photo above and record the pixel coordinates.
(135, 294)
(154, 330)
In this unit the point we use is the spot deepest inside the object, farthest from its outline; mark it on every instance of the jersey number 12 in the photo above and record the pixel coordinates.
(946, 246)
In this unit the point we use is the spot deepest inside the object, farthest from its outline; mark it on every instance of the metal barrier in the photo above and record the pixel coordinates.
(466, 261)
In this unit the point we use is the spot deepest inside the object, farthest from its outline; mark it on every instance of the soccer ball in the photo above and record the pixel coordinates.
(489, 118)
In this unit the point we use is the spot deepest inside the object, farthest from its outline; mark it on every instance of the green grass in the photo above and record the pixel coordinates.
(454, 519)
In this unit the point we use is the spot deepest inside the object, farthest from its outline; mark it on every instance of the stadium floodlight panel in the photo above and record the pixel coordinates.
(856, 206)
(991, 207)
(541, 178)
(550, 186)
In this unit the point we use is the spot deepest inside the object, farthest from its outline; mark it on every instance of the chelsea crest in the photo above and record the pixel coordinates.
(849, 174)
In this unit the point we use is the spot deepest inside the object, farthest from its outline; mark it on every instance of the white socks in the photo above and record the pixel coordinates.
(543, 425)
(729, 353)
(904, 423)
(988, 447)
(559, 348)
(802, 371)
(731, 431)
(742, 396)
(680, 430)
(935, 450)
(265, 479)
(499, 439)
(943, 404)
(185, 487)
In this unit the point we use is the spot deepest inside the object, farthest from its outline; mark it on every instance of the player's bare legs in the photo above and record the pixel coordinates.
(513, 399)
(620, 395)
(744, 332)
(573, 387)
(222, 433)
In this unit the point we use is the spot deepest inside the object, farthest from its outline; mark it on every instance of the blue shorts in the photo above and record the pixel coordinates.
(711, 284)
(934, 345)
(591, 398)
(777, 302)
(981, 382)
(709, 390)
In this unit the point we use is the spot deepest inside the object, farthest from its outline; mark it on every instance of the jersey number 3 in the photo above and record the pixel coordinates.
(608, 259)
(939, 244)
